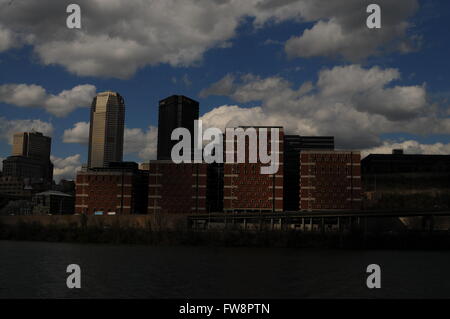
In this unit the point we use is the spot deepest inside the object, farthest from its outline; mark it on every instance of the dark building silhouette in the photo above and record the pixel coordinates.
(32, 145)
(65, 186)
(174, 112)
(386, 172)
(29, 170)
(54, 203)
(214, 187)
(293, 145)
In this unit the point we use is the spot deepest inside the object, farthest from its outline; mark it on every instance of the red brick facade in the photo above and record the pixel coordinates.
(117, 192)
(246, 189)
(177, 188)
(330, 180)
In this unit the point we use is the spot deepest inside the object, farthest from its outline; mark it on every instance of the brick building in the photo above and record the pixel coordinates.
(330, 180)
(246, 189)
(177, 188)
(120, 188)
(293, 146)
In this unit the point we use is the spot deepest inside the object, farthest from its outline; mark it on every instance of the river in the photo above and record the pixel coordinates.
(38, 270)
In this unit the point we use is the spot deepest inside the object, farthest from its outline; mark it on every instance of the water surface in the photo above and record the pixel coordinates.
(38, 270)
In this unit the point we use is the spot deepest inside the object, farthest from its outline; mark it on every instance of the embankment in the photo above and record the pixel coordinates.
(148, 230)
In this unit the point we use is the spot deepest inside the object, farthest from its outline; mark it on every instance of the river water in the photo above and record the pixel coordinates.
(38, 270)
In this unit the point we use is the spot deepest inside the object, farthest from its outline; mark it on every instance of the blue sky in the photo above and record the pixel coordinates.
(251, 49)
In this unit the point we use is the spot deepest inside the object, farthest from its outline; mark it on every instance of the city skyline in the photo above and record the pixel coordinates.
(262, 66)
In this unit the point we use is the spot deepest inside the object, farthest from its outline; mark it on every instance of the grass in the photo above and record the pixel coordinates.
(117, 234)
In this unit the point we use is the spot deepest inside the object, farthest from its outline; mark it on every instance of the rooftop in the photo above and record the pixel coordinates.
(54, 193)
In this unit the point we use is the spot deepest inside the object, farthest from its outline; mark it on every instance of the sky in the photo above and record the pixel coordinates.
(311, 66)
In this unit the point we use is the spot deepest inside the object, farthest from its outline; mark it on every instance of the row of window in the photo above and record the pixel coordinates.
(329, 157)
(104, 178)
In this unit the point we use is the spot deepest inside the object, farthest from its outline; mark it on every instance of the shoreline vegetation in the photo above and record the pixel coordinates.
(118, 233)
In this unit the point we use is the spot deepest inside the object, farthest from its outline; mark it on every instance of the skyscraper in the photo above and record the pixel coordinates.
(106, 129)
(174, 112)
(32, 145)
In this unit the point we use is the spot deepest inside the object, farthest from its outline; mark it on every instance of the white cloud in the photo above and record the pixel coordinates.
(141, 142)
(66, 168)
(118, 37)
(9, 127)
(341, 31)
(355, 104)
(6, 39)
(136, 141)
(232, 115)
(78, 134)
(409, 147)
(24, 95)
(223, 87)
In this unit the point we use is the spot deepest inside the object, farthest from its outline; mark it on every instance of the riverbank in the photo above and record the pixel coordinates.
(130, 234)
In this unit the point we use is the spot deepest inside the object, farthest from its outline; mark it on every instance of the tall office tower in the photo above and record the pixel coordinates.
(294, 145)
(106, 130)
(32, 145)
(174, 112)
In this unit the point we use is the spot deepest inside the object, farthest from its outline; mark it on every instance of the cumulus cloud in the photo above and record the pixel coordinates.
(141, 142)
(24, 95)
(9, 127)
(409, 147)
(136, 140)
(6, 39)
(355, 104)
(341, 31)
(66, 168)
(119, 37)
(233, 115)
(78, 134)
